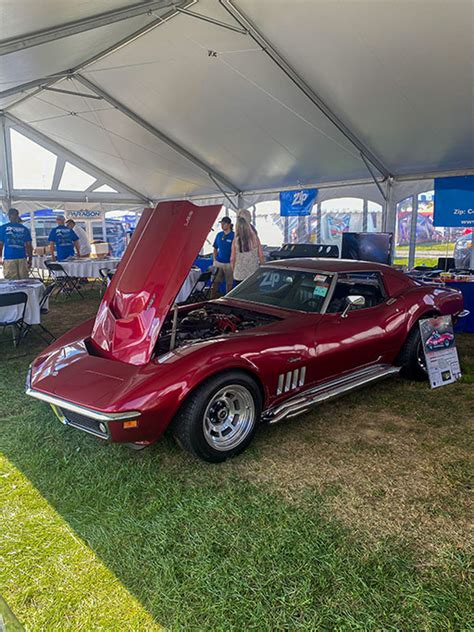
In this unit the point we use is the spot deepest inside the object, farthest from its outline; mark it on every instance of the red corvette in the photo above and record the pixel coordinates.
(296, 333)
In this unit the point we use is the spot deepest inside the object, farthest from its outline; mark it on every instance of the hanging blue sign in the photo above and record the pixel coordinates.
(297, 203)
(454, 201)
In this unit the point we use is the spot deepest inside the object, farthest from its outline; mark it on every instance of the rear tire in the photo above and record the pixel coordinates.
(219, 419)
(412, 357)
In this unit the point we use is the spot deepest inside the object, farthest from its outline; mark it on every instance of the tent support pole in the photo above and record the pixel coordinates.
(7, 158)
(374, 177)
(33, 227)
(206, 18)
(291, 73)
(179, 149)
(413, 225)
(60, 31)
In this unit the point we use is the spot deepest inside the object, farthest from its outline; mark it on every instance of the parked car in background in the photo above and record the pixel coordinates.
(296, 333)
(462, 251)
(45, 220)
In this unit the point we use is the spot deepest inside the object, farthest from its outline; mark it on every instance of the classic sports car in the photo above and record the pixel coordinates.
(439, 341)
(296, 333)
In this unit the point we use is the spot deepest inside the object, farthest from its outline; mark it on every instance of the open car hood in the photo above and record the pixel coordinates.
(150, 275)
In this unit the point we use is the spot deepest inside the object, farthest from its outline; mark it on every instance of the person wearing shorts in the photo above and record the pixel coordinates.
(15, 246)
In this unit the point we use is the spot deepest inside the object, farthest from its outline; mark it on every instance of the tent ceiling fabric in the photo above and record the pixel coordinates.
(398, 74)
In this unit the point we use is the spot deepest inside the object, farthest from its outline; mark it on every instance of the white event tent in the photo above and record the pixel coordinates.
(236, 100)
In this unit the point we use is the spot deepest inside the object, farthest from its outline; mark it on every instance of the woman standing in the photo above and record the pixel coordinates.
(247, 251)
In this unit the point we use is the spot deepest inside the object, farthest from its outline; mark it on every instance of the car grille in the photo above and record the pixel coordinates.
(82, 422)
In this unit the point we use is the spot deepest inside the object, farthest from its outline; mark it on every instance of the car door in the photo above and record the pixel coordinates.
(345, 342)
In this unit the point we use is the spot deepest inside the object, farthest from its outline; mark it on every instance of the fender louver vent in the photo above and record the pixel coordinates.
(291, 380)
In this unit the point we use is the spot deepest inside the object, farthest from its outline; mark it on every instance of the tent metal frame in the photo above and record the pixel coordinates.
(124, 194)
(208, 170)
(127, 194)
(292, 74)
(36, 38)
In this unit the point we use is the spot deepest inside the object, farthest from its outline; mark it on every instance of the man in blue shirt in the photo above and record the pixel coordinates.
(222, 251)
(65, 240)
(15, 246)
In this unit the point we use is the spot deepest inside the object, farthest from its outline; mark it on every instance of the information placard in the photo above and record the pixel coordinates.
(439, 346)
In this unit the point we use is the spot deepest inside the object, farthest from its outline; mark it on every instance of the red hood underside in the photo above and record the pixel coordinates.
(150, 275)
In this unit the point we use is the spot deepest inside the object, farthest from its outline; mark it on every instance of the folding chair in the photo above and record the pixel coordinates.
(202, 288)
(105, 277)
(65, 284)
(18, 325)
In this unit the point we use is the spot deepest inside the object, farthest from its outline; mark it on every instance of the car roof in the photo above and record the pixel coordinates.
(329, 265)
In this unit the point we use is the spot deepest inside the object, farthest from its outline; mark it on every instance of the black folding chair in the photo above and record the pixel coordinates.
(202, 288)
(105, 278)
(18, 325)
(65, 284)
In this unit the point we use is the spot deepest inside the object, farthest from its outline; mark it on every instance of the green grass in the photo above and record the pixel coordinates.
(96, 537)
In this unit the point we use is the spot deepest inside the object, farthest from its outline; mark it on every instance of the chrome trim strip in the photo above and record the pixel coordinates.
(294, 382)
(82, 410)
(302, 376)
(281, 381)
(328, 390)
(288, 382)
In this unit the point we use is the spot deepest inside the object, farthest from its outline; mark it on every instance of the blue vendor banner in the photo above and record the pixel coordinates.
(454, 201)
(297, 203)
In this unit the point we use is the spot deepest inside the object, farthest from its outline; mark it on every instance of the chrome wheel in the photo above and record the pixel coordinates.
(229, 417)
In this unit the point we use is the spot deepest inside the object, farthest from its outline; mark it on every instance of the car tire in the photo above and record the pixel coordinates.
(412, 358)
(219, 419)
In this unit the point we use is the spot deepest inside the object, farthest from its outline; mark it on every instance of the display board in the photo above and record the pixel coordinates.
(454, 202)
(297, 203)
(439, 346)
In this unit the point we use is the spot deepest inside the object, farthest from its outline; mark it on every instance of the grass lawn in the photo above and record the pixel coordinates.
(353, 517)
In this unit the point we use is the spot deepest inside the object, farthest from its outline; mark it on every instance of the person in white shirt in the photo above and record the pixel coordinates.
(84, 246)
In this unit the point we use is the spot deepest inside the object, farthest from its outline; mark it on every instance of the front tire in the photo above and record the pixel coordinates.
(219, 419)
(412, 357)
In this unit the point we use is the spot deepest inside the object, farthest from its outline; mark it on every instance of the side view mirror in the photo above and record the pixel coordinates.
(353, 301)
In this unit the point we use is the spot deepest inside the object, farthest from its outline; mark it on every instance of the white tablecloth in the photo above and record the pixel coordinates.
(34, 290)
(83, 267)
(188, 284)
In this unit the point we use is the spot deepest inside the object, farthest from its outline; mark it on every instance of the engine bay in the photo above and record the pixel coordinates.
(207, 321)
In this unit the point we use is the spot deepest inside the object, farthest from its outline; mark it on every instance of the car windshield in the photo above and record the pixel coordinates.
(288, 289)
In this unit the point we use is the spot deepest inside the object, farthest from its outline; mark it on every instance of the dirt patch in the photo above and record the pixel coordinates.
(381, 474)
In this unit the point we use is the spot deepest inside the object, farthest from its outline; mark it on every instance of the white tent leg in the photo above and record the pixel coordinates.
(33, 228)
(414, 221)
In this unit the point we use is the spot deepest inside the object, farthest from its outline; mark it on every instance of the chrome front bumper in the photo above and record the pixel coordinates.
(87, 419)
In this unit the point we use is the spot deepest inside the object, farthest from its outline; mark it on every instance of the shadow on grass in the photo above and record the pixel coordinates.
(202, 549)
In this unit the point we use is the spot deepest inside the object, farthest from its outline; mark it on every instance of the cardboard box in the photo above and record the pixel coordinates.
(99, 249)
